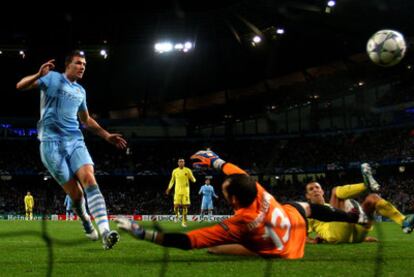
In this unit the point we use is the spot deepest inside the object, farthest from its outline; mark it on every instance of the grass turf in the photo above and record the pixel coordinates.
(23, 251)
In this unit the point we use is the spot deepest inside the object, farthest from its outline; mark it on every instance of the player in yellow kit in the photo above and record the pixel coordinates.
(28, 205)
(341, 197)
(181, 177)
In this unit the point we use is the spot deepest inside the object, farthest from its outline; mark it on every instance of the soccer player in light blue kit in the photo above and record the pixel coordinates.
(68, 205)
(62, 147)
(207, 191)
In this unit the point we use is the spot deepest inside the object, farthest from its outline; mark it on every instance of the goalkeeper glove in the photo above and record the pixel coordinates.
(131, 227)
(207, 158)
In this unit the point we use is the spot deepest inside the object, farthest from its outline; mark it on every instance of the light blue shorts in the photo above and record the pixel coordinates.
(206, 204)
(64, 158)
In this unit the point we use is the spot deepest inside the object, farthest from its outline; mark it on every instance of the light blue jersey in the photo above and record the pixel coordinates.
(62, 149)
(208, 192)
(60, 102)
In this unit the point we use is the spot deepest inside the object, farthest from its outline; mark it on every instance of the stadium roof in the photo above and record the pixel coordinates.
(223, 58)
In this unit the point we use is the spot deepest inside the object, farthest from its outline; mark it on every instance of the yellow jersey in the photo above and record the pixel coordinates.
(28, 201)
(338, 232)
(181, 178)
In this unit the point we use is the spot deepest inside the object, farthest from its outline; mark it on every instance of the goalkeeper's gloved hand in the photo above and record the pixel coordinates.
(207, 158)
(131, 227)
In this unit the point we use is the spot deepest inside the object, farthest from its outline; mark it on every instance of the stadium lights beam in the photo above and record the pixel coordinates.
(257, 39)
(330, 6)
(179, 46)
(331, 3)
(103, 53)
(188, 45)
(163, 47)
(280, 31)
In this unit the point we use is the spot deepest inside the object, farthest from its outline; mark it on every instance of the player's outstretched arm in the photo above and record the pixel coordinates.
(93, 126)
(207, 158)
(30, 82)
(177, 240)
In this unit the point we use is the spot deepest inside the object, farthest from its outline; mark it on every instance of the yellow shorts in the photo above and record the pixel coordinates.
(359, 233)
(29, 209)
(343, 232)
(181, 199)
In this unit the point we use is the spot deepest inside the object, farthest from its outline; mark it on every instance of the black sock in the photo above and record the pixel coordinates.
(327, 213)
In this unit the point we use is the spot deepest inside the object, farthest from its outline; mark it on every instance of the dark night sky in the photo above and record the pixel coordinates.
(133, 73)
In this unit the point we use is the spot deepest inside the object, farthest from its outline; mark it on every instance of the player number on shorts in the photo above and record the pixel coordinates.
(284, 224)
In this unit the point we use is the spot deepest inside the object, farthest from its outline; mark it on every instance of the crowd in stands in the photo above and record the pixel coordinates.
(134, 181)
(258, 155)
(397, 94)
(145, 195)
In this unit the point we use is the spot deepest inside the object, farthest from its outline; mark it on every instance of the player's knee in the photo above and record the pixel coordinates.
(334, 201)
(86, 175)
(88, 179)
(372, 198)
(370, 202)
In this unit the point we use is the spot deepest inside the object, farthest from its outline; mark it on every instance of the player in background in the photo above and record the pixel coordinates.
(181, 177)
(28, 206)
(68, 206)
(341, 196)
(207, 192)
(62, 147)
(260, 225)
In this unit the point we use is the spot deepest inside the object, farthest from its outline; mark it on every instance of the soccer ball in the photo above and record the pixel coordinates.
(386, 47)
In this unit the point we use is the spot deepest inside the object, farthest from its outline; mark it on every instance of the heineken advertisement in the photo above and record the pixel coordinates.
(154, 217)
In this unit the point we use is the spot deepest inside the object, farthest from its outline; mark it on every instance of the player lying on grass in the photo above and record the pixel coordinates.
(260, 225)
(341, 196)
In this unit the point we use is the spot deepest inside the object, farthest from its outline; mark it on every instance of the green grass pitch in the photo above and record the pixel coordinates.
(23, 252)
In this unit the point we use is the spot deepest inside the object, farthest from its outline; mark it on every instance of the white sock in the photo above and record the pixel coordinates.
(97, 208)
